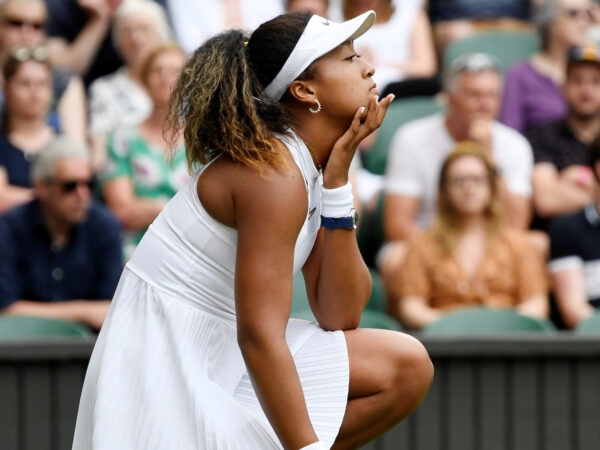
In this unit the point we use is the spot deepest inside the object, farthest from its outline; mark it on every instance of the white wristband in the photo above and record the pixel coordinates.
(315, 446)
(337, 202)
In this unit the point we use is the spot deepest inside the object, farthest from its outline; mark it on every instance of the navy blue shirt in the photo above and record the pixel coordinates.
(16, 163)
(31, 268)
(440, 10)
(575, 242)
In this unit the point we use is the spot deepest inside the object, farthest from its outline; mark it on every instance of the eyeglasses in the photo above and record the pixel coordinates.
(578, 13)
(461, 181)
(70, 186)
(20, 23)
(23, 54)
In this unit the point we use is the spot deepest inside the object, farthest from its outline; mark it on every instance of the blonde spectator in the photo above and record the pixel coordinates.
(469, 257)
(119, 99)
(139, 177)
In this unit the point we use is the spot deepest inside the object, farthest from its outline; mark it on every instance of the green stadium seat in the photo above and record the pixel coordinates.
(480, 320)
(31, 327)
(591, 325)
(508, 46)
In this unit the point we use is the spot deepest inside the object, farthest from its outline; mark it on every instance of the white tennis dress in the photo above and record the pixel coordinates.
(166, 371)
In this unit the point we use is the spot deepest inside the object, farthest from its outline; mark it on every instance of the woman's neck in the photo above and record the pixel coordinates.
(319, 137)
(472, 224)
(552, 62)
(29, 136)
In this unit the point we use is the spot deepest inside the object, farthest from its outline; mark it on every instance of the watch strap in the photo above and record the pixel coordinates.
(337, 222)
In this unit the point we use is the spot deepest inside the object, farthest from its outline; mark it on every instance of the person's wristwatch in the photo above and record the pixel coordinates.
(350, 222)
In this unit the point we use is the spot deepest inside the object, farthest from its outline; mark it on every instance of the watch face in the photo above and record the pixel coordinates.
(354, 215)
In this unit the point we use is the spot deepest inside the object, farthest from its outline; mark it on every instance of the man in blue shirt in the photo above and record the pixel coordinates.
(60, 254)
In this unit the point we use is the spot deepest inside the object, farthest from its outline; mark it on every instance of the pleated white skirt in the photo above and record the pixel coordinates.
(167, 375)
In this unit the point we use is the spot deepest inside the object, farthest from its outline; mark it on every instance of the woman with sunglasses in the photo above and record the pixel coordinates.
(198, 350)
(25, 129)
(469, 257)
(532, 93)
(139, 177)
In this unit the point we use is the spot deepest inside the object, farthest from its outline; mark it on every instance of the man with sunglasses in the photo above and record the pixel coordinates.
(60, 254)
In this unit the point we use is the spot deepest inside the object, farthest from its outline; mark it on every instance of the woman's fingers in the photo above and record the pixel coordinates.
(366, 120)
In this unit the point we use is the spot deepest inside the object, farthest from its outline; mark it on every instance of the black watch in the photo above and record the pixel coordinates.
(349, 223)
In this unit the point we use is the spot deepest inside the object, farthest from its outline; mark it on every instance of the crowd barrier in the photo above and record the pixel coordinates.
(513, 392)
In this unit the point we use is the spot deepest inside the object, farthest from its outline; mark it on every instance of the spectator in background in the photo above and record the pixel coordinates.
(473, 87)
(60, 254)
(140, 176)
(532, 94)
(562, 179)
(77, 34)
(575, 255)
(119, 100)
(400, 44)
(469, 257)
(22, 25)
(24, 128)
(195, 21)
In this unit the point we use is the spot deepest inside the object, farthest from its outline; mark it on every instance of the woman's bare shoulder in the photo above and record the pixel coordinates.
(227, 188)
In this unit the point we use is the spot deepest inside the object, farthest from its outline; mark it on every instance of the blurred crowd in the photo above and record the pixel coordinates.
(491, 201)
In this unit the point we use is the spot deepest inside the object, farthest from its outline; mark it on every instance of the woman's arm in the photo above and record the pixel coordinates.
(423, 61)
(72, 110)
(88, 312)
(133, 212)
(415, 312)
(80, 54)
(571, 298)
(535, 306)
(270, 210)
(338, 281)
(11, 196)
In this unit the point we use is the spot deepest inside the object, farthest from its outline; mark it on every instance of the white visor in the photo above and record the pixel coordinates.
(319, 37)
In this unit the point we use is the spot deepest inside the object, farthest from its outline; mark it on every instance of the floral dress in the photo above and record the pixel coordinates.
(154, 174)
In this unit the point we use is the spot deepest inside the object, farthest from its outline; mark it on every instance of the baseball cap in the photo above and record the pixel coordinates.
(320, 36)
(584, 54)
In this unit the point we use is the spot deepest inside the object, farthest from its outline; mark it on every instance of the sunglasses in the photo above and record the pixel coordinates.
(70, 186)
(20, 23)
(475, 62)
(23, 54)
(461, 181)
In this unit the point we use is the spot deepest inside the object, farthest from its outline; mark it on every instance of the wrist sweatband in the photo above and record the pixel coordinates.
(315, 446)
(337, 202)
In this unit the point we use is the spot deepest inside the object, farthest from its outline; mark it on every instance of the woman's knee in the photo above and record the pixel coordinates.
(413, 371)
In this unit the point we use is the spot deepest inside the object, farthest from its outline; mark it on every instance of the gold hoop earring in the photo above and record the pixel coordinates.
(317, 109)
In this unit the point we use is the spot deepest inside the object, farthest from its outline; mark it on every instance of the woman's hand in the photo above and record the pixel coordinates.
(365, 121)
